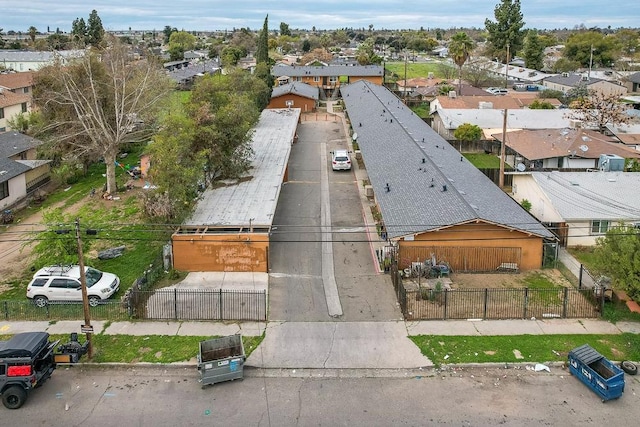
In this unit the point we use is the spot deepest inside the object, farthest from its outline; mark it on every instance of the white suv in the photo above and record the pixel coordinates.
(62, 283)
(340, 160)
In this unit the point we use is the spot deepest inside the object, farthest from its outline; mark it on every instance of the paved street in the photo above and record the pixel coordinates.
(465, 397)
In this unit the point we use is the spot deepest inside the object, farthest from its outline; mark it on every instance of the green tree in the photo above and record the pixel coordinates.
(628, 40)
(460, 49)
(176, 168)
(366, 55)
(284, 29)
(2, 42)
(591, 47)
(468, 132)
(538, 104)
(185, 40)
(57, 244)
(564, 65)
(167, 31)
(306, 46)
(99, 103)
(618, 255)
(230, 55)
(262, 48)
(95, 30)
(79, 30)
(506, 30)
(33, 31)
(533, 52)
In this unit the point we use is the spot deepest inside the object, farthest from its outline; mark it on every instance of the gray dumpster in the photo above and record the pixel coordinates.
(221, 359)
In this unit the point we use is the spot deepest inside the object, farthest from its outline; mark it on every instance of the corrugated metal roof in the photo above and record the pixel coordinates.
(518, 119)
(592, 195)
(431, 185)
(253, 202)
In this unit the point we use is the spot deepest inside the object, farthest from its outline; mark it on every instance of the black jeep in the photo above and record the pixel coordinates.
(26, 361)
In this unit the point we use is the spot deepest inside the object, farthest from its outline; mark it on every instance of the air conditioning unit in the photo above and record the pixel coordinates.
(575, 123)
(452, 94)
(484, 105)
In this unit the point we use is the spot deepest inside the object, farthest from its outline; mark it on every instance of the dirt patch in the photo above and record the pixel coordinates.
(505, 280)
(143, 350)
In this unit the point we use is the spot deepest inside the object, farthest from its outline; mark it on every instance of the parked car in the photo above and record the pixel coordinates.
(340, 160)
(497, 90)
(62, 283)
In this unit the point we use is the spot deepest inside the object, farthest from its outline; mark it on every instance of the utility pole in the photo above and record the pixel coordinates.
(506, 70)
(502, 149)
(405, 75)
(590, 62)
(83, 283)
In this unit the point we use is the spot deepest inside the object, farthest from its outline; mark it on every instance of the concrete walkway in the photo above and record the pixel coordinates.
(573, 265)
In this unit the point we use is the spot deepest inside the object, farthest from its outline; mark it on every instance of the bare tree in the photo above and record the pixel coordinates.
(99, 103)
(598, 109)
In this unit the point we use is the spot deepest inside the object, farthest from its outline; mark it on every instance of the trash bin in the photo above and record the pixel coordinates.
(596, 372)
(221, 359)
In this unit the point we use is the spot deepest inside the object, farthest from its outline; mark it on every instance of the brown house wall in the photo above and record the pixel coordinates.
(373, 79)
(305, 104)
(474, 247)
(246, 252)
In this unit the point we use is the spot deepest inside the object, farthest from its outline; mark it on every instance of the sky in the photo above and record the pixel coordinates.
(304, 14)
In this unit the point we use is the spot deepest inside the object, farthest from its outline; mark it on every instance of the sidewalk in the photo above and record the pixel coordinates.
(427, 327)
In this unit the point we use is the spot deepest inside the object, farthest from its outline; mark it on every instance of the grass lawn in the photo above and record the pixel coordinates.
(483, 160)
(523, 348)
(585, 255)
(115, 221)
(150, 348)
(421, 110)
(417, 69)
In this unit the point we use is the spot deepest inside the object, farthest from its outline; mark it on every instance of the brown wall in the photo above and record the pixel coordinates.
(246, 252)
(373, 79)
(305, 104)
(474, 247)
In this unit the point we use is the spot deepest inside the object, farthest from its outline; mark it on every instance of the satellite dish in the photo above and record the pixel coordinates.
(520, 167)
(355, 136)
(584, 148)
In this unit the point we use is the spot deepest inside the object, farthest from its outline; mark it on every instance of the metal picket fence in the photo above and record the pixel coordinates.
(162, 304)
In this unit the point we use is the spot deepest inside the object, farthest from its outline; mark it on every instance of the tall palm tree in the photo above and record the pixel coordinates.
(460, 48)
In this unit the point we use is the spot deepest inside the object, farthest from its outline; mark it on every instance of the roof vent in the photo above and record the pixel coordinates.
(387, 188)
(444, 188)
(565, 74)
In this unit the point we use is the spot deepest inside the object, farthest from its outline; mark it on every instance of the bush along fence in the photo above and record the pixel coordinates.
(524, 303)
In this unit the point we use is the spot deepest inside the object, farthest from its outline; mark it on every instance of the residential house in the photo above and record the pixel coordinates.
(447, 120)
(563, 149)
(11, 105)
(297, 95)
(434, 202)
(513, 73)
(632, 82)
(21, 173)
(23, 60)
(328, 78)
(230, 227)
(629, 134)
(17, 82)
(580, 206)
(566, 81)
(185, 75)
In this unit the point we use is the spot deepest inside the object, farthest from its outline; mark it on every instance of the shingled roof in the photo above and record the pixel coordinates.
(296, 88)
(421, 182)
(327, 71)
(12, 143)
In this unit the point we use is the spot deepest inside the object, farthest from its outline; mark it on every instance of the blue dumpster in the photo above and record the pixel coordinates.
(597, 372)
